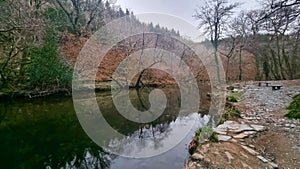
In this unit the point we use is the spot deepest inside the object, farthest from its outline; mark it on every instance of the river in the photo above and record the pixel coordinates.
(45, 133)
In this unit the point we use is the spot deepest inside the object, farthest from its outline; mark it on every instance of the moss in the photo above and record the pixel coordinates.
(294, 108)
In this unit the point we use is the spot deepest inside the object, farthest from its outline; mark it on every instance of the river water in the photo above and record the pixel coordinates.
(45, 133)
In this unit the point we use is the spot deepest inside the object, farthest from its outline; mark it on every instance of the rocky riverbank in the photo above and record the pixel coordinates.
(262, 138)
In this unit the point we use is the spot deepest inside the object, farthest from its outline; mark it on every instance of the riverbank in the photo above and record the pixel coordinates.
(276, 145)
(101, 86)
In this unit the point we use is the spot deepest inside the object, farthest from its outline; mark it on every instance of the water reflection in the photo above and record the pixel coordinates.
(45, 133)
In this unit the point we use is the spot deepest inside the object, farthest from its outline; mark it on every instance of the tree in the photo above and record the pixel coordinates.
(230, 45)
(214, 18)
(280, 21)
(47, 71)
(21, 27)
(81, 14)
(241, 31)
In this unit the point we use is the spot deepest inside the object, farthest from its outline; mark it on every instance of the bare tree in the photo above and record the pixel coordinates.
(241, 31)
(281, 20)
(230, 46)
(214, 18)
(81, 14)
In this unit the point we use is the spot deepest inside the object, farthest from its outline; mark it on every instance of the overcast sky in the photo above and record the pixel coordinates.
(183, 9)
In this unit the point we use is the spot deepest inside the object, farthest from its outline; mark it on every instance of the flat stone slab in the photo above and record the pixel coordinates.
(242, 127)
(224, 138)
(220, 131)
(232, 126)
(240, 136)
(243, 134)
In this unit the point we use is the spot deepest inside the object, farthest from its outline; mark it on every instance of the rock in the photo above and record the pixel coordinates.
(229, 156)
(193, 145)
(244, 134)
(197, 156)
(263, 159)
(249, 150)
(244, 154)
(252, 146)
(258, 127)
(275, 166)
(241, 136)
(233, 141)
(232, 126)
(205, 148)
(224, 138)
(241, 128)
(220, 131)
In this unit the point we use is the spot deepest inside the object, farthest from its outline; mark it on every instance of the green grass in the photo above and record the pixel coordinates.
(294, 108)
(230, 114)
(207, 132)
(231, 99)
(234, 97)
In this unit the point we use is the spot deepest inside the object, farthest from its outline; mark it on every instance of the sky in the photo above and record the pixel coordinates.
(183, 9)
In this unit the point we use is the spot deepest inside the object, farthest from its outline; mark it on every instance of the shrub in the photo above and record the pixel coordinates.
(231, 99)
(294, 108)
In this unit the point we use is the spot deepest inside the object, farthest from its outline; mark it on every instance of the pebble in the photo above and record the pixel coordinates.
(197, 156)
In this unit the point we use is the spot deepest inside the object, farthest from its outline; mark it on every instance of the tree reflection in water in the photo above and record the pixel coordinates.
(45, 132)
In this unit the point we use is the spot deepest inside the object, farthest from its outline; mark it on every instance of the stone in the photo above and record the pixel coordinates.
(251, 145)
(224, 138)
(229, 156)
(233, 141)
(241, 128)
(263, 159)
(197, 156)
(275, 166)
(258, 127)
(220, 131)
(241, 136)
(244, 154)
(249, 150)
(227, 125)
(244, 134)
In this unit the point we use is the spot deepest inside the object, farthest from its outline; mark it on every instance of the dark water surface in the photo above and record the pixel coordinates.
(45, 133)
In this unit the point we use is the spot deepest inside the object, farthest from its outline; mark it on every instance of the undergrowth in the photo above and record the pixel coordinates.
(294, 108)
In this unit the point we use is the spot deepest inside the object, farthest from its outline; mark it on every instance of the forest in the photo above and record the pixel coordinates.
(33, 31)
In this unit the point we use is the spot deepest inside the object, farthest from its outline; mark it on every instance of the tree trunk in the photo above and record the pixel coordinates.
(240, 64)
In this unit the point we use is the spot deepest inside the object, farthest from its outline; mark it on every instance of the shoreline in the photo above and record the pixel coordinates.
(275, 147)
